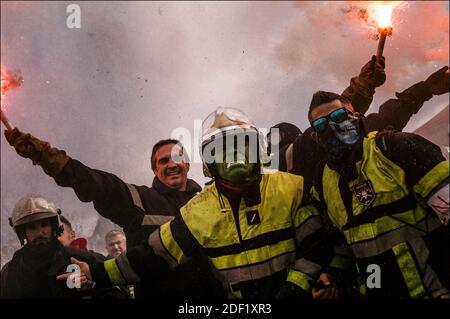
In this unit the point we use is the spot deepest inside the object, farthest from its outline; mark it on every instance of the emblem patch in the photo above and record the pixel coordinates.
(364, 193)
(253, 217)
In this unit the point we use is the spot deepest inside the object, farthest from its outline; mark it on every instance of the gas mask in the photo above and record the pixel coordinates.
(236, 160)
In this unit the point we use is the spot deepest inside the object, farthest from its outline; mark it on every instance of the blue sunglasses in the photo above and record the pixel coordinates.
(320, 125)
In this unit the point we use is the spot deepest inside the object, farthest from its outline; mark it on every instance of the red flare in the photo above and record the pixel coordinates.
(10, 80)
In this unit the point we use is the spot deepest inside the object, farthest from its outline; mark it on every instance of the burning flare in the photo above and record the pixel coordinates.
(378, 15)
(382, 14)
(9, 80)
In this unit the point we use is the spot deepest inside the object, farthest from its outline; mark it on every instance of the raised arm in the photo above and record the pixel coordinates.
(362, 87)
(396, 113)
(110, 195)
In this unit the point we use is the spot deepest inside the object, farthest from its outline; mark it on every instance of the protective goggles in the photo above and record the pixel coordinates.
(320, 125)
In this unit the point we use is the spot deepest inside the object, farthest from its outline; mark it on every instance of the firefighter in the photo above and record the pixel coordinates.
(388, 194)
(360, 92)
(256, 230)
(139, 210)
(303, 153)
(32, 270)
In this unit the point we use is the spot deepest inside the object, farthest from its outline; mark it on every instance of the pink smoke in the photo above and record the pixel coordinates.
(335, 40)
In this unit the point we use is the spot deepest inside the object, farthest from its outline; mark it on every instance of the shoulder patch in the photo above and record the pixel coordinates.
(364, 192)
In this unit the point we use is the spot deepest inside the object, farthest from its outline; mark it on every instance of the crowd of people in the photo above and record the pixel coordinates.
(352, 192)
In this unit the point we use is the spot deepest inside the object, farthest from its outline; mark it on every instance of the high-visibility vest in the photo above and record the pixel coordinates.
(386, 213)
(265, 242)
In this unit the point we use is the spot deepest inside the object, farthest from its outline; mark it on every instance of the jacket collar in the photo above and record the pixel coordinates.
(191, 188)
(347, 168)
(251, 194)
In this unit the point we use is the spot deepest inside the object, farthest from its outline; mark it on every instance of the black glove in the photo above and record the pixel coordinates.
(438, 82)
(40, 152)
(292, 291)
(373, 72)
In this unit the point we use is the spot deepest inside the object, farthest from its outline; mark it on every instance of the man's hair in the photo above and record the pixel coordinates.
(66, 222)
(160, 144)
(113, 233)
(322, 97)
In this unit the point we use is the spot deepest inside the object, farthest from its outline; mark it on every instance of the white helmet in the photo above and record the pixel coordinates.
(220, 123)
(33, 208)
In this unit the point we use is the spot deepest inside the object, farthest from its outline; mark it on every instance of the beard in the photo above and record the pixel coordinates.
(40, 241)
(42, 245)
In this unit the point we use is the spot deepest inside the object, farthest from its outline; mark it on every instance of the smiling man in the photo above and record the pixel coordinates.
(139, 210)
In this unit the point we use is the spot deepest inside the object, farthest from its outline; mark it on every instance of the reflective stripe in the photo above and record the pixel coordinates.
(156, 220)
(170, 244)
(362, 289)
(371, 214)
(154, 240)
(113, 272)
(340, 262)
(432, 179)
(386, 241)
(307, 267)
(266, 239)
(253, 256)
(135, 196)
(307, 228)
(409, 270)
(290, 157)
(345, 251)
(300, 279)
(256, 271)
(303, 214)
(383, 225)
(233, 294)
(124, 265)
(343, 257)
(429, 277)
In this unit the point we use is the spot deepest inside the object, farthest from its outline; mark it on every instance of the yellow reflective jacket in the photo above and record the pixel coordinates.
(382, 210)
(274, 238)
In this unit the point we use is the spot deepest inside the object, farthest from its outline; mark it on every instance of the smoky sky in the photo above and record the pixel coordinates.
(134, 71)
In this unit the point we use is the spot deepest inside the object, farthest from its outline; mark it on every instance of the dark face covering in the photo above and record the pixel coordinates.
(338, 141)
(347, 131)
